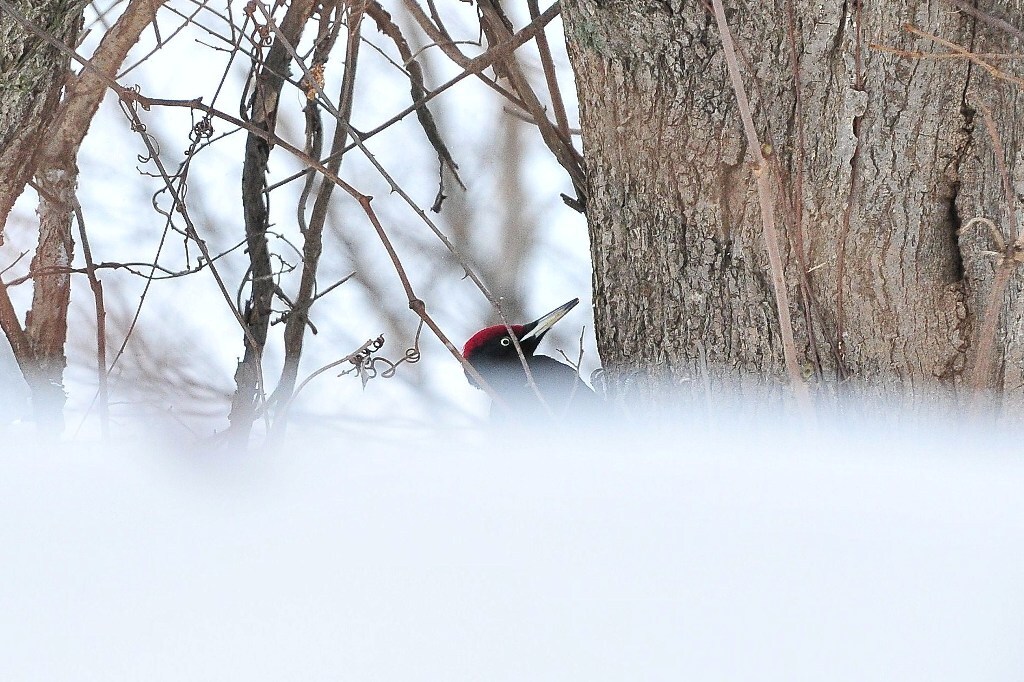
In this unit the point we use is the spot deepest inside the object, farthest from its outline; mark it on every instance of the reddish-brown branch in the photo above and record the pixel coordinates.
(987, 334)
(416, 304)
(473, 67)
(312, 248)
(262, 110)
(17, 337)
(548, 64)
(560, 145)
(101, 325)
(1004, 174)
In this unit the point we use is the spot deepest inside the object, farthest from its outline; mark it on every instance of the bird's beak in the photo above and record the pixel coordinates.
(540, 327)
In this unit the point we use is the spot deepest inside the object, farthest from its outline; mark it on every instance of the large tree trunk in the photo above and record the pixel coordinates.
(886, 155)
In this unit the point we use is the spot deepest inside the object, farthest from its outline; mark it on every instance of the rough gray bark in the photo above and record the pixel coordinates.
(32, 73)
(887, 154)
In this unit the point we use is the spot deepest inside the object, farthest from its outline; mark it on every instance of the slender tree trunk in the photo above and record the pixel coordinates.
(878, 159)
(313, 235)
(47, 321)
(40, 135)
(33, 73)
(262, 110)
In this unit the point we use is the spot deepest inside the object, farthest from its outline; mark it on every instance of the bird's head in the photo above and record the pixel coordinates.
(491, 350)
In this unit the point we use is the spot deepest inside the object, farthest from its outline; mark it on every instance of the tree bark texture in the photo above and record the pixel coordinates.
(878, 159)
(32, 73)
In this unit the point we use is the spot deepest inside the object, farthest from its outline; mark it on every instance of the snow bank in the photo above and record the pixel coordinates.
(738, 551)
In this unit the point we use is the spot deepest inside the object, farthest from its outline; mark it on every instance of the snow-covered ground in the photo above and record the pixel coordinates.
(733, 551)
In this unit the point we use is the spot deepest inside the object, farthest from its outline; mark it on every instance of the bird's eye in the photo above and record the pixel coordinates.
(505, 341)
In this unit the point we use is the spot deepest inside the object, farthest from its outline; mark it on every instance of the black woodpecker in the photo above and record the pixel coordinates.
(494, 356)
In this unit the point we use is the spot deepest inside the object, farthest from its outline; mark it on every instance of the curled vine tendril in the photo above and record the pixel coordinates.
(260, 34)
(368, 367)
(202, 130)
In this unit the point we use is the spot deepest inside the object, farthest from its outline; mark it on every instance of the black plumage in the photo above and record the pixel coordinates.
(493, 354)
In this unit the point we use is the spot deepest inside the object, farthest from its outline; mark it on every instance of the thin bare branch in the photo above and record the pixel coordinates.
(765, 195)
(988, 18)
(262, 110)
(101, 326)
(995, 72)
(313, 242)
(418, 89)
(473, 67)
(550, 75)
(560, 145)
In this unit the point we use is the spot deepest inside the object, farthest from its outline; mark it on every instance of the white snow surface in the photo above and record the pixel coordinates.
(738, 550)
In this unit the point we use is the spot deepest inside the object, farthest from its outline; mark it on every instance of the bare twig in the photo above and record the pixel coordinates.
(473, 67)
(313, 242)
(559, 144)
(13, 263)
(418, 90)
(988, 18)
(576, 366)
(178, 199)
(966, 54)
(765, 195)
(548, 64)
(262, 110)
(1004, 175)
(101, 325)
(440, 37)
